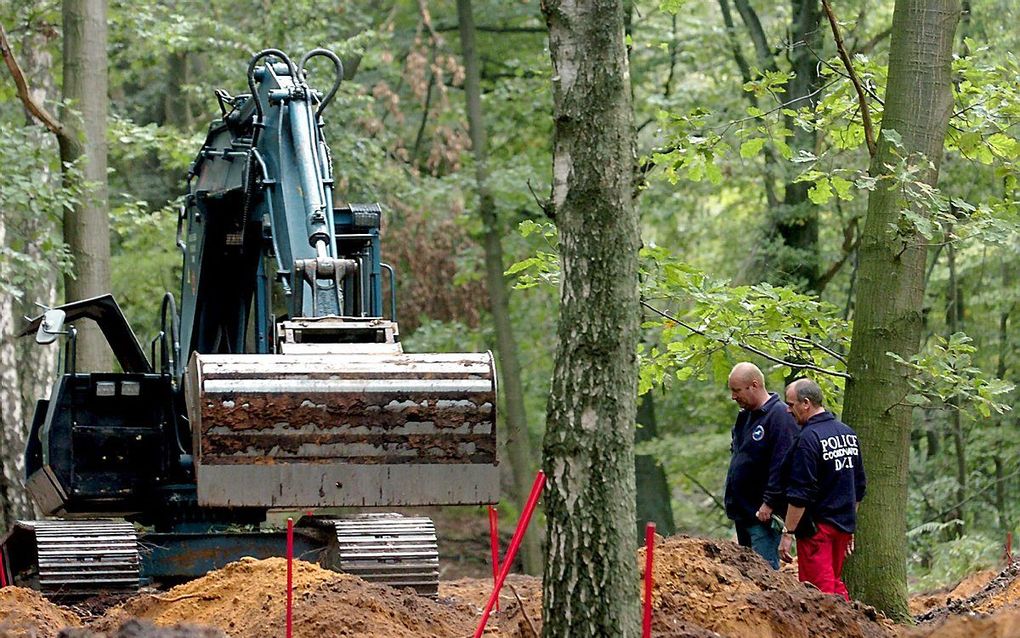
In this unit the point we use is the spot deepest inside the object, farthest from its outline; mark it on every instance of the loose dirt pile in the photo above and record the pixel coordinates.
(703, 588)
(966, 588)
(26, 614)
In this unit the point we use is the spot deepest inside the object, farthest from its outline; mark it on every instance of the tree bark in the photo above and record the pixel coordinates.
(653, 498)
(890, 297)
(86, 225)
(518, 444)
(589, 586)
(26, 370)
(795, 221)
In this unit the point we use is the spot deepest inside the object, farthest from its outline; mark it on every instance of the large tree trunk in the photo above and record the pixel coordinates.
(518, 445)
(590, 582)
(13, 498)
(86, 226)
(890, 297)
(26, 370)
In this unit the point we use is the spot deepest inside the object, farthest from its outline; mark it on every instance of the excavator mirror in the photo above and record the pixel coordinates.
(52, 326)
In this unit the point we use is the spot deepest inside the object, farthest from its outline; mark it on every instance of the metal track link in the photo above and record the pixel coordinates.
(83, 558)
(399, 551)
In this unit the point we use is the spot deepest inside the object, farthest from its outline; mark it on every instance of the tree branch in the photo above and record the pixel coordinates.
(704, 489)
(744, 346)
(38, 111)
(869, 132)
(757, 33)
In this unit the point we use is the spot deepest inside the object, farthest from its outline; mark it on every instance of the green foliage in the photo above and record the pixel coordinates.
(944, 371)
(32, 201)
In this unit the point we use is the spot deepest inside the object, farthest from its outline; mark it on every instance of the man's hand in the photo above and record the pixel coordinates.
(785, 544)
(764, 513)
(850, 546)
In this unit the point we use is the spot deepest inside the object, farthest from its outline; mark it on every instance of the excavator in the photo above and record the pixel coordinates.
(279, 384)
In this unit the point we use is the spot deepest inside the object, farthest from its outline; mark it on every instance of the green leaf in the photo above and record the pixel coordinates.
(843, 188)
(821, 192)
(752, 147)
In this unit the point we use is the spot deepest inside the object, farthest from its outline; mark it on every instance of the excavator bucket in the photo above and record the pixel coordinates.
(360, 429)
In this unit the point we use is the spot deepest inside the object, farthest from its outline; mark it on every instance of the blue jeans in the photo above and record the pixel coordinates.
(762, 538)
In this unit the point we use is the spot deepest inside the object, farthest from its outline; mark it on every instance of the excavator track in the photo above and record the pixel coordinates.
(390, 549)
(83, 558)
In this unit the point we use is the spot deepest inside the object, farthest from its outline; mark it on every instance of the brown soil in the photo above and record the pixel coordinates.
(703, 588)
(967, 587)
(999, 593)
(26, 614)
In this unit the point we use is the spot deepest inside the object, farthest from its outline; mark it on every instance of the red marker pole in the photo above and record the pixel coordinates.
(290, 577)
(494, 541)
(511, 552)
(646, 625)
(3, 570)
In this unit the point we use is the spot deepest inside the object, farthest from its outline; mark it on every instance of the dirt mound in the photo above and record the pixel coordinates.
(520, 603)
(1003, 624)
(142, 629)
(247, 599)
(720, 587)
(967, 587)
(26, 614)
(1000, 593)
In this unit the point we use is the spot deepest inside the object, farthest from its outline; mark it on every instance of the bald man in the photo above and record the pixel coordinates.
(762, 435)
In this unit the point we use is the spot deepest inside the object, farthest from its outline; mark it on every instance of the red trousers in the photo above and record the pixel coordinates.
(820, 559)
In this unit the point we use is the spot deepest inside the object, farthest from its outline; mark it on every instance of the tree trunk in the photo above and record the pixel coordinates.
(890, 297)
(590, 582)
(954, 321)
(37, 364)
(86, 226)
(14, 503)
(795, 221)
(26, 370)
(653, 498)
(518, 445)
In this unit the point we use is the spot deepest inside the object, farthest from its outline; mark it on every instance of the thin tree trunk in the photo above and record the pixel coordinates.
(86, 225)
(795, 221)
(519, 445)
(1005, 521)
(890, 297)
(653, 498)
(954, 314)
(589, 586)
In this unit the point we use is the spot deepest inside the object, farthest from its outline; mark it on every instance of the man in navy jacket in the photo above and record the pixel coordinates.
(825, 483)
(762, 435)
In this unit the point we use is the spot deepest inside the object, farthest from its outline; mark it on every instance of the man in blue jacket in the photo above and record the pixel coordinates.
(762, 435)
(825, 483)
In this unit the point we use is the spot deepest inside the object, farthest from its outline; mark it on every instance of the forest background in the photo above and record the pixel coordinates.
(751, 185)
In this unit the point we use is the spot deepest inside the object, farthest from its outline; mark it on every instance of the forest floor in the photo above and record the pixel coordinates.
(703, 588)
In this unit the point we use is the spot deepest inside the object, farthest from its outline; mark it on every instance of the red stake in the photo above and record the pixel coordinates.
(3, 570)
(494, 540)
(511, 552)
(290, 577)
(646, 625)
